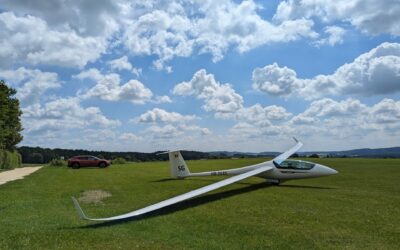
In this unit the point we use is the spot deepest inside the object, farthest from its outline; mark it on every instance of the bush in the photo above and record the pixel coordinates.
(57, 163)
(9, 159)
(119, 160)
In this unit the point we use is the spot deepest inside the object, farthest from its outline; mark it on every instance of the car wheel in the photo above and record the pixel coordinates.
(75, 165)
(102, 164)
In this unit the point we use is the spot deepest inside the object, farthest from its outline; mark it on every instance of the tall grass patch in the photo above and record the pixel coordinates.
(9, 159)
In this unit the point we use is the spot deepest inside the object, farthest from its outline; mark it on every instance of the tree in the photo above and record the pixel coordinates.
(10, 123)
(313, 156)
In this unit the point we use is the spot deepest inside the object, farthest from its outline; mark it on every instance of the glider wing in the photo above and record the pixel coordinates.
(176, 199)
(282, 157)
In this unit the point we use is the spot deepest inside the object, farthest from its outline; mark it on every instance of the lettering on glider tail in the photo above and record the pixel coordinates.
(181, 168)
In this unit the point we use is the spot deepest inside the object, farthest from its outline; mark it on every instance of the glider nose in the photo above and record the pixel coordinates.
(326, 170)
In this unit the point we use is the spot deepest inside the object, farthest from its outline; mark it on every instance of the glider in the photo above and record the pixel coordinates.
(274, 171)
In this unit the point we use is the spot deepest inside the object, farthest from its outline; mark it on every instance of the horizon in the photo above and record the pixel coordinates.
(211, 76)
(243, 152)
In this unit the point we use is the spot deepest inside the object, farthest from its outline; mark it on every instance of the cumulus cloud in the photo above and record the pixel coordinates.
(123, 64)
(162, 99)
(30, 84)
(218, 98)
(129, 137)
(258, 114)
(334, 36)
(180, 131)
(372, 17)
(58, 34)
(174, 29)
(225, 103)
(61, 114)
(372, 73)
(329, 120)
(29, 39)
(157, 115)
(348, 117)
(98, 18)
(109, 88)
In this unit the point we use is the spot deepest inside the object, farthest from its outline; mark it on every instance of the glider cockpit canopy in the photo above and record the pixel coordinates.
(295, 164)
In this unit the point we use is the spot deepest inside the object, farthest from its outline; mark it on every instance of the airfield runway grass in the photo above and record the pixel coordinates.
(357, 209)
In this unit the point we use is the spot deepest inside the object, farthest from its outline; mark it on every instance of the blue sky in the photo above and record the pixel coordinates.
(204, 75)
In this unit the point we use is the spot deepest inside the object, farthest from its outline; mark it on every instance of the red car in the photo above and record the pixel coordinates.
(87, 161)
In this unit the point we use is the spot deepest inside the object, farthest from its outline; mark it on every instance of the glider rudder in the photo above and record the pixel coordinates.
(179, 168)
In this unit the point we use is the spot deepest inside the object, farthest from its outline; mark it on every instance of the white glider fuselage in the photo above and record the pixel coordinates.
(277, 173)
(286, 170)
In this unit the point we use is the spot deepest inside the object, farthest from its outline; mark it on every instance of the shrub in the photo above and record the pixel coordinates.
(9, 159)
(119, 160)
(57, 163)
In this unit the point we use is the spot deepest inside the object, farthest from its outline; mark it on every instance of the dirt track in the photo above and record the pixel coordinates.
(16, 174)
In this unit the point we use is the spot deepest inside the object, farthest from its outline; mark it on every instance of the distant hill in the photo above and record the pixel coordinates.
(362, 152)
(393, 152)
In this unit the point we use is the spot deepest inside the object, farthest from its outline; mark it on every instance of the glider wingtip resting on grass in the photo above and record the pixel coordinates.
(79, 209)
(274, 171)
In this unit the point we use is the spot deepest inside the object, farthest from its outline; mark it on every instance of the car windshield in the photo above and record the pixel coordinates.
(296, 164)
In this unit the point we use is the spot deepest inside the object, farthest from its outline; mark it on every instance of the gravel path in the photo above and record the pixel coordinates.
(16, 174)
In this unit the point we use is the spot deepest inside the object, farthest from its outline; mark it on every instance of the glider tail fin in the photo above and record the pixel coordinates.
(179, 168)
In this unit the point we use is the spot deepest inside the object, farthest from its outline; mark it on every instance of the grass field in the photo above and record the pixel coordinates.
(357, 209)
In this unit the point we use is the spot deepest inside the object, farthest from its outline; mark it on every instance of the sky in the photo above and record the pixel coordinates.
(204, 75)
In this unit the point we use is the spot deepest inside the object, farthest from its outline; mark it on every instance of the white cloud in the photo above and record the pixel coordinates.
(30, 84)
(177, 132)
(348, 118)
(225, 103)
(175, 29)
(226, 24)
(63, 114)
(108, 88)
(387, 112)
(372, 73)
(335, 36)
(165, 132)
(59, 34)
(275, 80)
(29, 39)
(328, 122)
(87, 18)
(370, 16)
(257, 113)
(218, 98)
(122, 63)
(157, 115)
(130, 137)
(162, 99)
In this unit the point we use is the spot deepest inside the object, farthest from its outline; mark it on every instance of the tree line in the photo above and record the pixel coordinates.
(10, 127)
(44, 155)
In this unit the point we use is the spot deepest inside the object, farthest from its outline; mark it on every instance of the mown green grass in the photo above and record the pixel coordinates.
(356, 209)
